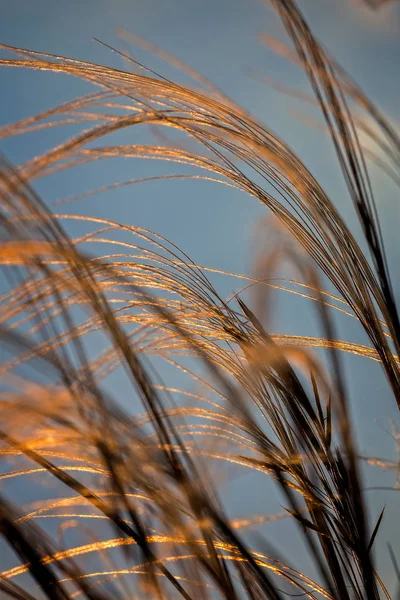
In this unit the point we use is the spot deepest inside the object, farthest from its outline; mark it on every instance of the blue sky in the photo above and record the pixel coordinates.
(214, 224)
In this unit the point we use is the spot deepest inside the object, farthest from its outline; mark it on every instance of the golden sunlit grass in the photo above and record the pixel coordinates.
(136, 493)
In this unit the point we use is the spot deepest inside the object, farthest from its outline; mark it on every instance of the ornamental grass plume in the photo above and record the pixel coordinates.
(135, 488)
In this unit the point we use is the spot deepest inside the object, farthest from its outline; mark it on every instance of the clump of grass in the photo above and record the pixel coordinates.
(141, 481)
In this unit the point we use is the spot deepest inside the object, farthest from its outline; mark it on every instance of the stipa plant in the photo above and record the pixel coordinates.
(141, 481)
